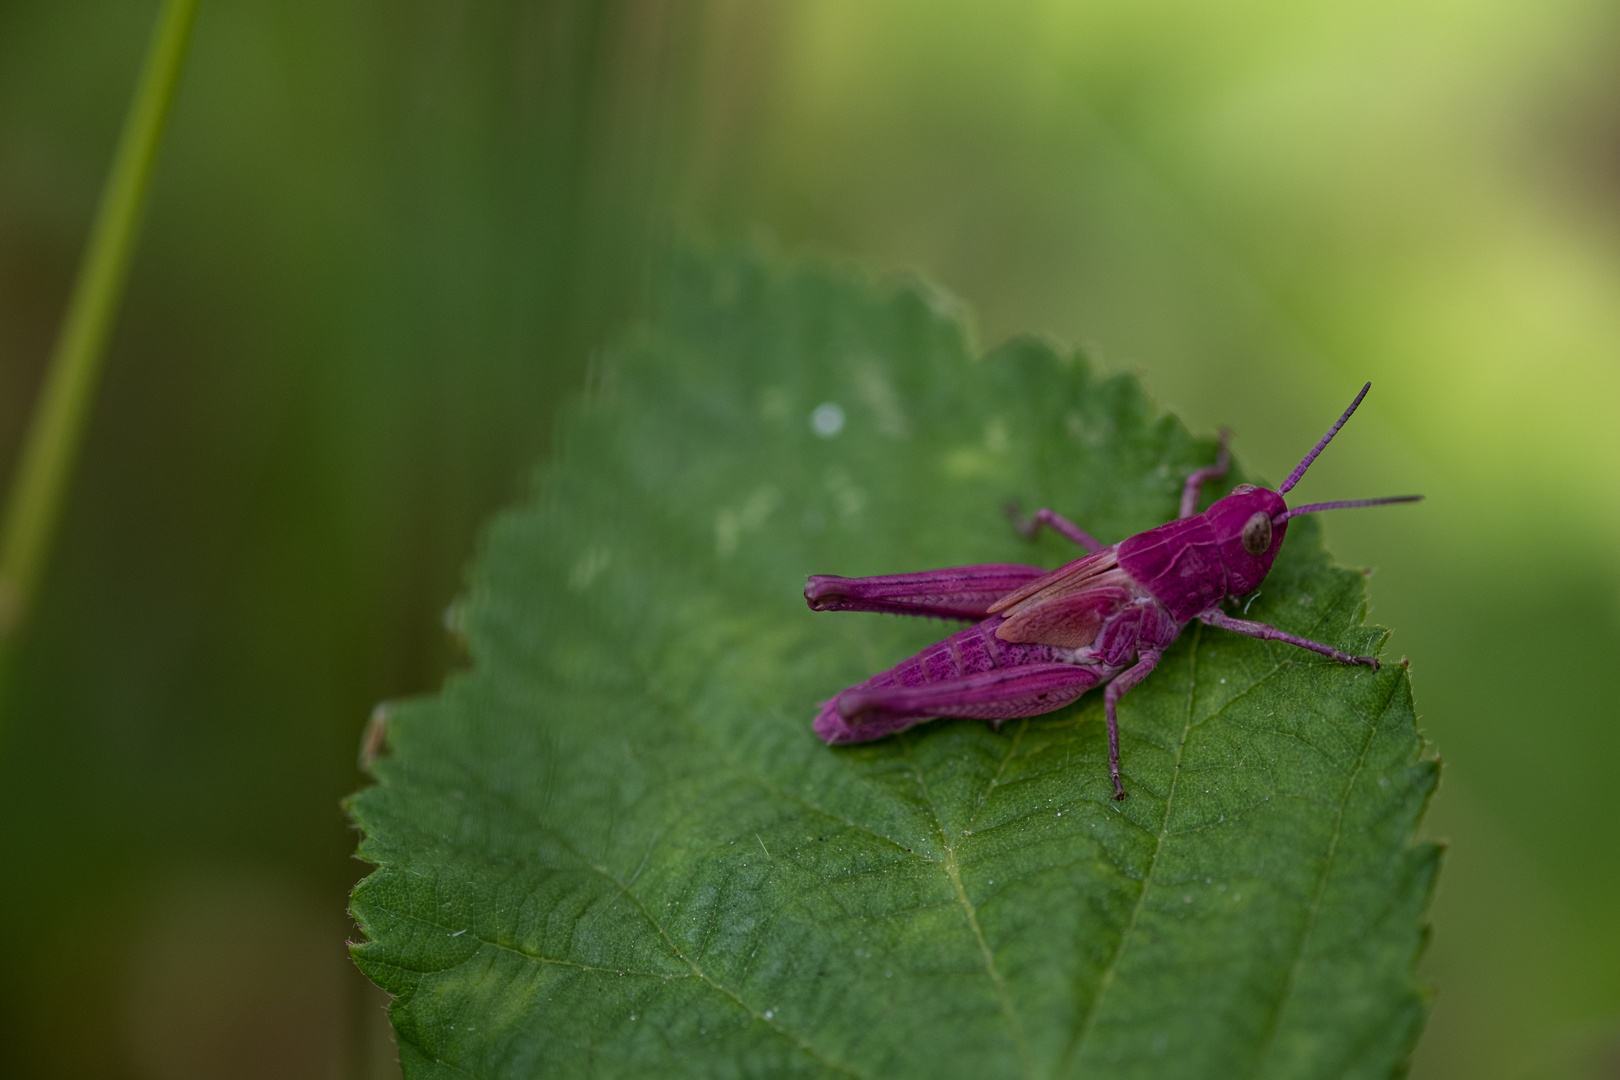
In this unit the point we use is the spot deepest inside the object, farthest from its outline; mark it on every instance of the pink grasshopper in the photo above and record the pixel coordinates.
(1043, 639)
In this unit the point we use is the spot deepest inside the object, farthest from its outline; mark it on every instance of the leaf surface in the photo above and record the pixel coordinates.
(614, 848)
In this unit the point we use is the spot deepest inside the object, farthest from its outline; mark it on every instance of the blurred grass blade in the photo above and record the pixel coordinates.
(52, 446)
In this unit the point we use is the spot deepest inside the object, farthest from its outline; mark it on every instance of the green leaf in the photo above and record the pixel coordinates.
(614, 848)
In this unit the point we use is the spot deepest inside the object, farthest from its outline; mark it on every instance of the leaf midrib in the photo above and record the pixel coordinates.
(1072, 1053)
(953, 872)
(1268, 1039)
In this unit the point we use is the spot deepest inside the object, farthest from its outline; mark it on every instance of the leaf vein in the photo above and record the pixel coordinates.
(953, 872)
(1268, 1039)
(1012, 751)
(697, 969)
(746, 773)
(517, 950)
(425, 1052)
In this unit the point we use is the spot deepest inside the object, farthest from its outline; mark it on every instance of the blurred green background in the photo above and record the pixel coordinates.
(385, 236)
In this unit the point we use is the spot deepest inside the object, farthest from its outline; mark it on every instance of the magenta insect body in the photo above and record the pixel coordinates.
(1041, 639)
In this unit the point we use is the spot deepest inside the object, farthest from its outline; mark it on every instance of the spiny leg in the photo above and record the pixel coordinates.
(959, 592)
(862, 713)
(1028, 526)
(1001, 694)
(1147, 660)
(1193, 489)
(1271, 633)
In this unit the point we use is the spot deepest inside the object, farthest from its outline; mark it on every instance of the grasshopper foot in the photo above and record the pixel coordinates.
(1025, 526)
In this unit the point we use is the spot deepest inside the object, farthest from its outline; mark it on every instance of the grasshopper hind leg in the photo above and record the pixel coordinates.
(867, 712)
(958, 592)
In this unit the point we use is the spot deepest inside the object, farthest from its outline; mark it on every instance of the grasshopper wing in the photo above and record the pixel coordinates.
(1066, 608)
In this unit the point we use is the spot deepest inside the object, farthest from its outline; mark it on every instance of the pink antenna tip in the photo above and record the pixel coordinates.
(1299, 471)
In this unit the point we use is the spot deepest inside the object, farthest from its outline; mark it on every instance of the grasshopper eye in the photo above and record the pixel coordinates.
(1257, 534)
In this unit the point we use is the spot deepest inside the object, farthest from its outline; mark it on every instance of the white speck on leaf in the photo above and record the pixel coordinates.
(827, 419)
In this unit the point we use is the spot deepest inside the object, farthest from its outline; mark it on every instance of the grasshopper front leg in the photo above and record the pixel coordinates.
(1271, 633)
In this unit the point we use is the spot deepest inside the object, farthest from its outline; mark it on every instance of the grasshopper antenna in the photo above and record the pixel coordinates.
(1299, 471)
(1342, 504)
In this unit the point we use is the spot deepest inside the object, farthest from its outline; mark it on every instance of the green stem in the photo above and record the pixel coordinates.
(57, 429)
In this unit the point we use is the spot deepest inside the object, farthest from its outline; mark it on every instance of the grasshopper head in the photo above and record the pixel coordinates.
(1250, 522)
(1248, 533)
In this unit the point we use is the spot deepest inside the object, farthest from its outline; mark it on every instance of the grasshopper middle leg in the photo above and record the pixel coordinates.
(1147, 660)
(1193, 489)
(1028, 526)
